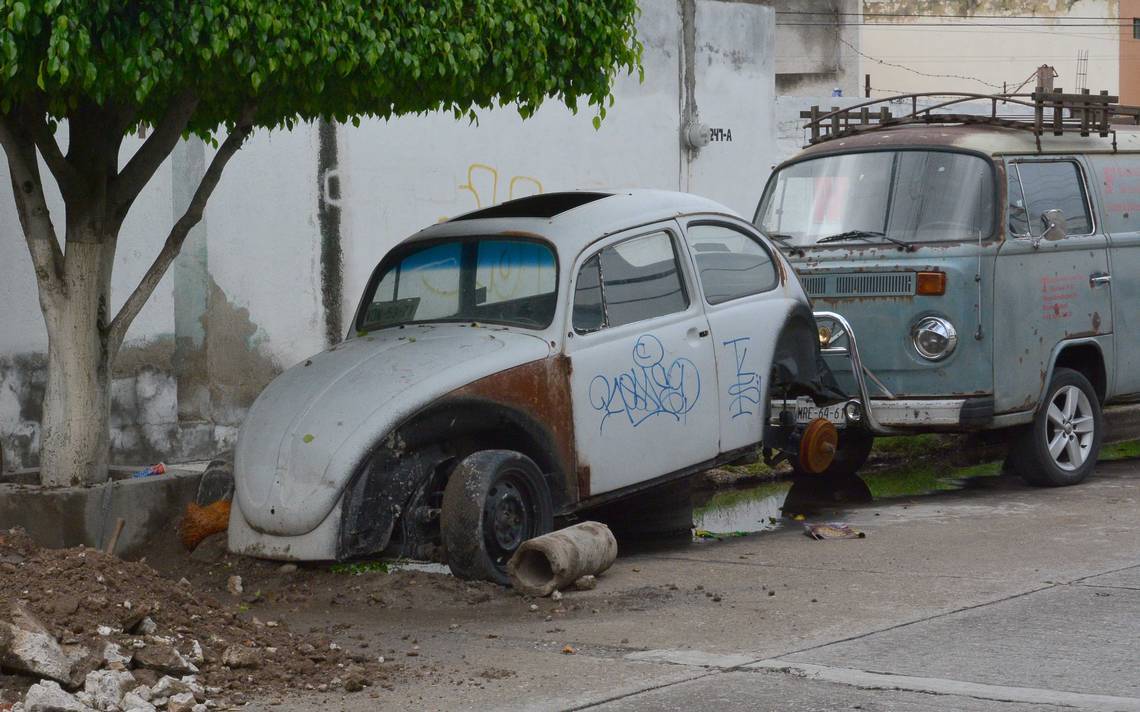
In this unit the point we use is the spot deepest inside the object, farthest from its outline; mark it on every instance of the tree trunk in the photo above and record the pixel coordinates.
(75, 439)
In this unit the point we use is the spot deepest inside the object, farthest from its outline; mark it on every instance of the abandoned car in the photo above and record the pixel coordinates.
(984, 270)
(522, 363)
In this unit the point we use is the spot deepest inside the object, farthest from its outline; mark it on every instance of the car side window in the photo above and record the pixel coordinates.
(1054, 185)
(731, 263)
(631, 281)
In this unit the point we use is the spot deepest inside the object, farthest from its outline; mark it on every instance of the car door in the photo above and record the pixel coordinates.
(746, 309)
(643, 374)
(1118, 179)
(1045, 291)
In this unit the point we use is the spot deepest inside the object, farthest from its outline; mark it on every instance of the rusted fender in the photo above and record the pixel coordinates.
(553, 561)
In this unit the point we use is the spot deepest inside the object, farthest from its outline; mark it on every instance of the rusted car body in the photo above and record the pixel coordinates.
(592, 344)
(976, 262)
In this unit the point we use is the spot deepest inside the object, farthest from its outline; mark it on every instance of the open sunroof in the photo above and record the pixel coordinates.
(546, 205)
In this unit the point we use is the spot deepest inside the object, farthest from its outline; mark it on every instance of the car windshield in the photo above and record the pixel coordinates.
(881, 197)
(494, 280)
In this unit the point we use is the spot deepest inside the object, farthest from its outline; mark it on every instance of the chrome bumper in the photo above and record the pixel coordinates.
(918, 413)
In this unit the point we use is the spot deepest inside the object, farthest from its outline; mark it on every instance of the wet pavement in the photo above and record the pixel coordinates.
(981, 594)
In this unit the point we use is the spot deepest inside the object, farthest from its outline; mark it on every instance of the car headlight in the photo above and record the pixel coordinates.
(934, 338)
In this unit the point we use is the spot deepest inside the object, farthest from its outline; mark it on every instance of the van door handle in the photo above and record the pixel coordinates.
(703, 333)
(1099, 278)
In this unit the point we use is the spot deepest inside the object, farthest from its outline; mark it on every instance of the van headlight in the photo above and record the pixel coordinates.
(934, 338)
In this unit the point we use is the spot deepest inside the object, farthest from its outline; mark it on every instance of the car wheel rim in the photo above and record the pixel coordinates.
(1069, 428)
(508, 516)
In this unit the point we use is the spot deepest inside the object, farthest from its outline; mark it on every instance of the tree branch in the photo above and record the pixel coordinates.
(139, 170)
(117, 330)
(31, 205)
(65, 174)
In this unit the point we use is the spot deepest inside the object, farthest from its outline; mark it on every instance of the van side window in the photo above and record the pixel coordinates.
(1053, 185)
(639, 279)
(731, 263)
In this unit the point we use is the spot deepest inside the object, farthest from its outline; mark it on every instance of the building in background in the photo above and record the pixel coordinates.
(990, 46)
(817, 48)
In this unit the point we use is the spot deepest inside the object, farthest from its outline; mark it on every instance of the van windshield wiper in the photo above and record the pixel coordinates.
(867, 235)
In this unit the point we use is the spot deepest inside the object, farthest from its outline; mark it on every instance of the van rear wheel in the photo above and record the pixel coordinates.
(494, 501)
(1061, 446)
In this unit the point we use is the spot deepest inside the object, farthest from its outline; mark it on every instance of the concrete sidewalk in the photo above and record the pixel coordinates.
(998, 598)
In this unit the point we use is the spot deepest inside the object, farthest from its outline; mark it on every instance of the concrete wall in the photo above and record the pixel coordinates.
(302, 217)
(816, 43)
(965, 57)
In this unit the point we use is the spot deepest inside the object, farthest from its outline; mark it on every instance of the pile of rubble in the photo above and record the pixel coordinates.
(81, 630)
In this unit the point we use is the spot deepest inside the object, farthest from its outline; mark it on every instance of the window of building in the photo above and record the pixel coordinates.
(1136, 28)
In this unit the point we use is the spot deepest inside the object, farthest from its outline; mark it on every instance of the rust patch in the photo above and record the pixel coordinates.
(1096, 322)
(583, 481)
(541, 390)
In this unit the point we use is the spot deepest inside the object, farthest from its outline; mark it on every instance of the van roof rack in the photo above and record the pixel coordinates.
(1054, 112)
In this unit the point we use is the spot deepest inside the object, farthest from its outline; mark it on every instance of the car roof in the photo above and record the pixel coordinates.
(590, 216)
(989, 140)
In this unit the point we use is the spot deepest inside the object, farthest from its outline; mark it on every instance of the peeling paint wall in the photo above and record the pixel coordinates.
(248, 298)
(816, 51)
(984, 59)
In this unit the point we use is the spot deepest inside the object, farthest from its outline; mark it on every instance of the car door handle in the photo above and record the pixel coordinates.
(703, 333)
(1098, 278)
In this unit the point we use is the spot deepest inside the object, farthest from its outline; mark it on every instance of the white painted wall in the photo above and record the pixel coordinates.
(985, 57)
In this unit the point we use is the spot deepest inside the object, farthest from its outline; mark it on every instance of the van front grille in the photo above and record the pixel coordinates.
(860, 284)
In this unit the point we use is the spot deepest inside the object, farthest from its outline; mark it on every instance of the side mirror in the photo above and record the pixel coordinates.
(1055, 226)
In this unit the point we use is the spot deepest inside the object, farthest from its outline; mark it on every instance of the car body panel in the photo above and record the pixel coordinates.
(313, 425)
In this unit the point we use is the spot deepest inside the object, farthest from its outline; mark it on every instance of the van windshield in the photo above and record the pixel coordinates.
(493, 279)
(882, 196)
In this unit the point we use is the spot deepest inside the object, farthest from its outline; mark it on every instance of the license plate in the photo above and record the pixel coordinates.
(805, 413)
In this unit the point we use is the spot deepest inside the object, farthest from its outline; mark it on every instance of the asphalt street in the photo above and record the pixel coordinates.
(998, 597)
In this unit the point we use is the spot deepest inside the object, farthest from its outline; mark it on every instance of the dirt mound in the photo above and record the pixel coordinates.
(86, 599)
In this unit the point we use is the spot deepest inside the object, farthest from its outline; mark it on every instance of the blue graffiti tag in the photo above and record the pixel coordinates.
(649, 388)
(746, 389)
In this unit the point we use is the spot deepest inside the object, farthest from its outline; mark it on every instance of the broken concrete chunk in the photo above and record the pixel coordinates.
(48, 696)
(133, 703)
(233, 585)
(113, 654)
(586, 583)
(169, 686)
(107, 688)
(182, 702)
(164, 658)
(239, 656)
(27, 646)
(196, 655)
(146, 626)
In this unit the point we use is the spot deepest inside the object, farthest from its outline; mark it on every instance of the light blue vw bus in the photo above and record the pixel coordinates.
(971, 273)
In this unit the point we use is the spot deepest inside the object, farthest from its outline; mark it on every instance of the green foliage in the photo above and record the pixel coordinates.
(302, 59)
(361, 567)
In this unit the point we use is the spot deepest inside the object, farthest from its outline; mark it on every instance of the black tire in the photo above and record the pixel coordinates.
(1031, 454)
(854, 449)
(494, 501)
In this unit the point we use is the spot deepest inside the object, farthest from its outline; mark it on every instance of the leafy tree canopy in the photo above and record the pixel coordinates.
(302, 59)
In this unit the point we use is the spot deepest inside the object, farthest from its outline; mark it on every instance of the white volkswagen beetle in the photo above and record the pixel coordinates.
(522, 363)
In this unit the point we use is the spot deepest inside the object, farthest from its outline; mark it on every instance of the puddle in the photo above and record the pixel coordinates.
(735, 511)
(746, 510)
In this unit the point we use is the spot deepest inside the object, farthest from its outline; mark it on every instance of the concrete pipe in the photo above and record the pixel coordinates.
(554, 561)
